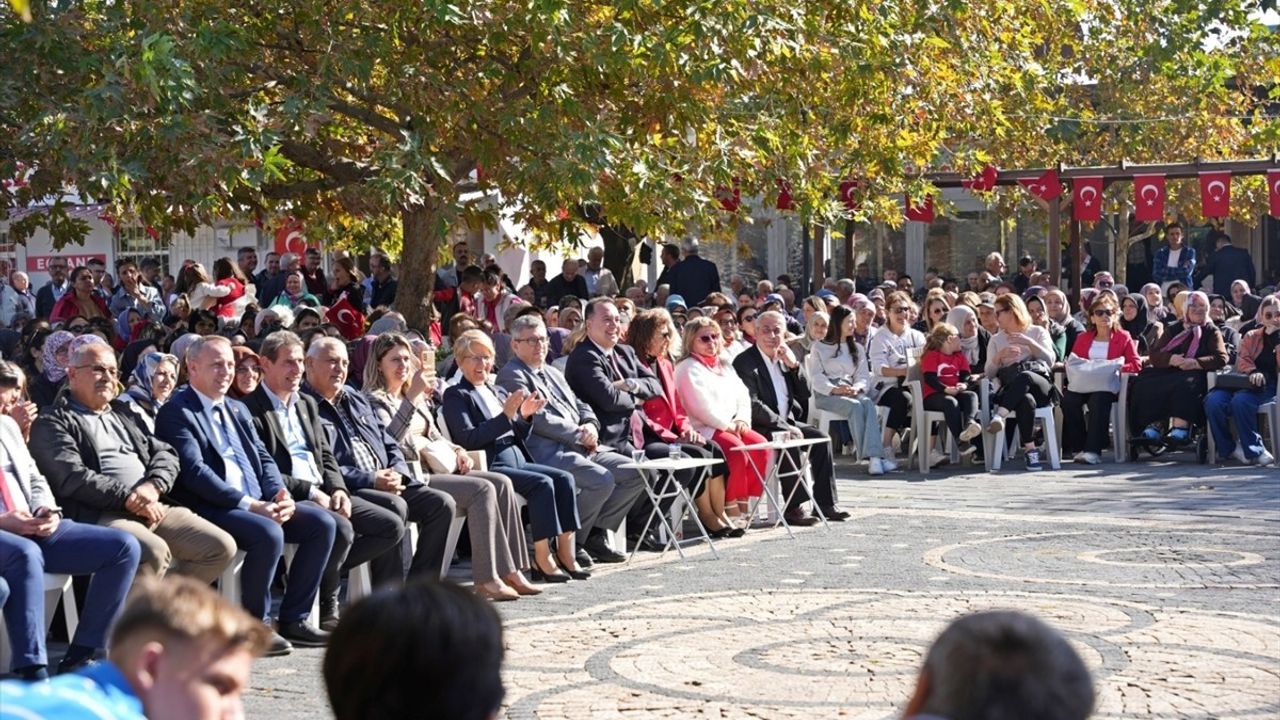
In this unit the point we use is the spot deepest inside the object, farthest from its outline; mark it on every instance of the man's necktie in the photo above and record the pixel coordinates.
(637, 425)
(249, 477)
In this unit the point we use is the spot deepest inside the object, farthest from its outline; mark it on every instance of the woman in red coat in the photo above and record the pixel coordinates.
(79, 300)
(650, 336)
(1104, 339)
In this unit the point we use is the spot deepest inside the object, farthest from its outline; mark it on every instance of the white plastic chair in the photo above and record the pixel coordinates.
(995, 455)
(56, 587)
(1119, 416)
(923, 421)
(1269, 412)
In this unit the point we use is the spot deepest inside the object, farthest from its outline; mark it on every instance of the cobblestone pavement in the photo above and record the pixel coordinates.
(1165, 576)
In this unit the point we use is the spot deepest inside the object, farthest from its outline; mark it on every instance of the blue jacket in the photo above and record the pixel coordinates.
(1183, 272)
(202, 482)
(385, 448)
(464, 415)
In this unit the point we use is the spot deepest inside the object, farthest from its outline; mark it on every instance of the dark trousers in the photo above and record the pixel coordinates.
(643, 507)
(1081, 433)
(110, 556)
(898, 400)
(820, 464)
(1022, 395)
(550, 493)
(958, 409)
(312, 529)
(372, 530)
(433, 511)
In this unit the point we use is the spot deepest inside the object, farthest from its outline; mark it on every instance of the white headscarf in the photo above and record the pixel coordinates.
(957, 318)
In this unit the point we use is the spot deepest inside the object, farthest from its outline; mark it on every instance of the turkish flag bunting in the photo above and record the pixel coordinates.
(1215, 194)
(1273, 190)
(1148, 197)
(344, 316)
(730, 198)
(920, 213)
(1045, 187)
(1086, 199)
(984, 181)
(849, 195)
(785, 201)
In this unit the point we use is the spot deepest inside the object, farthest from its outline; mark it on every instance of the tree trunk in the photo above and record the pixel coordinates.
(619, 250)
(425, 227)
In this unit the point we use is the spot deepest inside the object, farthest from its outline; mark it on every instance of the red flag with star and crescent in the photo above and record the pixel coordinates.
(291, 238)
(1086, 199)
(1215, 194)
(984, 181)
(1148, 197)
(920, 211)
(1045, 187)
(344, 316)
(849, 195)
(1273, 191)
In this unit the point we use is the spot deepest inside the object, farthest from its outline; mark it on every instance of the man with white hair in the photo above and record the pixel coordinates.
(599, 278)
(229, 478)
(694, 277)
(566, 435)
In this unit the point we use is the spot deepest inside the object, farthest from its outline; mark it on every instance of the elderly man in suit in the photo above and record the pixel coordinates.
(34, 539)
(288, 423)
(370, 459)
(780, 402)
(566, 435)
(228, 477)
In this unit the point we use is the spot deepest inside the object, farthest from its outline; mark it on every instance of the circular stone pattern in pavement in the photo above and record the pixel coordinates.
(855, 653)
(1140, 558)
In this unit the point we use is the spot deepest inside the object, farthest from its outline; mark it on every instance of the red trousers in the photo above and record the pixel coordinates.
(743, 482)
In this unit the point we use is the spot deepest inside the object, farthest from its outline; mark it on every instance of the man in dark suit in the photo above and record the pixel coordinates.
(370, 459)
(229, 478)
(288, 422)
(780, 402)
(694, 277)
(565, 435)
(52, 292)
(1227, 264)
(568, 282)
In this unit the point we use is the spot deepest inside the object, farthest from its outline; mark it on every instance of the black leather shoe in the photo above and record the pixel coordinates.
(73, 662)
(598, 548)
(583, 558)
(577, 574)
(538, 576)
(303, 634)
(328, 623)
(279, 647)
(649, 543)
(797, 518)
(834, 514)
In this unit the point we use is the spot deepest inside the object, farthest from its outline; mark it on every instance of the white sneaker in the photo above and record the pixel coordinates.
(1238, 455)
(875, 466)
(996, 426)
(888, 464)
(936, 458)
(1079, 457)
(1091, 458)
(1264, 459)
(971, 431)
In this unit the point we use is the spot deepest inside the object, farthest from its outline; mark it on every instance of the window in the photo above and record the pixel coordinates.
(135, 243)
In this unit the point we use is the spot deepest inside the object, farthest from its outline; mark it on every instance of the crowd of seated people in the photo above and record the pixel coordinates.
(228, 421)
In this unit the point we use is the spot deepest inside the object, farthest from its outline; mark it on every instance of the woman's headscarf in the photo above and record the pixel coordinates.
(1192, 332)
(1066, 305)
(1138, 325)
(140, 380)
(124, 329)
(957, 318)
(54, 344)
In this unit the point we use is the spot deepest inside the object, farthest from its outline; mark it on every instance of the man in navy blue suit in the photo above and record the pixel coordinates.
(229, 478)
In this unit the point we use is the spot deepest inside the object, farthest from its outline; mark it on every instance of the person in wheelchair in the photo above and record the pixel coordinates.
(1174, 386)
(1257, 365)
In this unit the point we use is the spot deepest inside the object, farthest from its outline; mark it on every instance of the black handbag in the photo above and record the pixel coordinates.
(1008, 373)
(1233, 381)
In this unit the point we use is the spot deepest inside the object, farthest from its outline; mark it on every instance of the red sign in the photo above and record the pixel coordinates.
(1148, 197)
(1215, 194)
(40, 263)
(1086, 199)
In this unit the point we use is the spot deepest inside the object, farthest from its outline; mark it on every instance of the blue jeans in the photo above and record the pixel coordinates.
(110, 556)
(864, 423)
(262, 540)
(1240, 406)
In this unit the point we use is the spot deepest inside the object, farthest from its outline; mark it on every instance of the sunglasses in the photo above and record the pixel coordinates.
(708, 338)
(748, 318)
(1102, 312)
(900, 309)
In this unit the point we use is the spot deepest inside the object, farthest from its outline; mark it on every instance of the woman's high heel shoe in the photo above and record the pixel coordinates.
(537, 575)
(574, 571)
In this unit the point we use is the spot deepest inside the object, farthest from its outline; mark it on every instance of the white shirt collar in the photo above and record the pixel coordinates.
(207, 402)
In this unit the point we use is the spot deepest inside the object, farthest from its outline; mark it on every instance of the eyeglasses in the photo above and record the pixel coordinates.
(728, 321)
(708, 338)
(247, 369)
(748, 318)
(537, 340)
(100, 370)
(1102, 312)
(900, 309)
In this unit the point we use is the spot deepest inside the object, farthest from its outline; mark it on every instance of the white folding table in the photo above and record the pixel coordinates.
(775, 474)
(659, 475)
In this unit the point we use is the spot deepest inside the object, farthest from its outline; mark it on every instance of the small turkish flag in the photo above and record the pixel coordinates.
(730, 198)
(1148, 197)
(1273, 190)
(849, 195)
(1215, 194)
(785, 201)
(920, 212)
(349, 321)
(1045, 187)
(1086, 199)
(984, 181)
(290, 238)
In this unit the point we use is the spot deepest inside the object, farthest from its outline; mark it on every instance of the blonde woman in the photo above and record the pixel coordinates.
(1019, 357)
